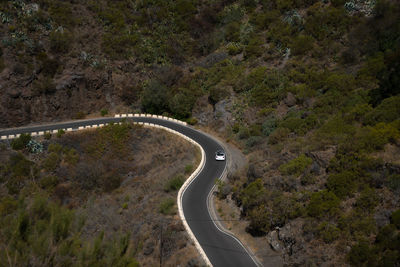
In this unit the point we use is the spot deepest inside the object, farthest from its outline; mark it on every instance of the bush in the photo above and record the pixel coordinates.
(60, 41)
(167, 206)
(299, 125)
(181, 104)
(192, 121)
(342, 184)
(71, 156)
(252, 141)
(322, 204)
(80, 115)
(302, 44)
(232, 32)
(328, 232)
(254, 194)
(21, 142)
(359, 253)
(47, 135)
(368, 200)
(174, 184)
(44, 86)
(254, 49)
(374, 138)
(395, 218)
(154, 98)
(234, 48)
(296, 166)
(51, 162)
(243, 132)
(279, 135)
(103, 112)
(60, 133)
(188, 168)
(269, 126)
(387, 111)
(48, 182)
(394, 182)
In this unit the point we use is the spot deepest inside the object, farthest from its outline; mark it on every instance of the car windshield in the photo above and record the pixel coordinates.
(220, 153)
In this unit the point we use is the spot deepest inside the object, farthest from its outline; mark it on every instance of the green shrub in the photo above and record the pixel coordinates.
(119, 44)
(60, 133)
(191, 121)
(387, 111)
(55, 148)
(188, 168)
(328, 232)
(174, 183)
(299, 125)
(279, 135)
(269, 126)
(368, 200)
(47, 135)
(259, 218)
(154, 98)
(44, 86)
(21, 142)
(302, 44)
(232, 13)
(394, 182)
(20, 166)
(48, 182)
(62, 13)
(103, 112)
(253, 49)
(51, 162)
(80, 115)
(357, 224)
(359, 254)
(323, 203)
(167, 206)
(263, 20)
(234, 48)
(268, 88)
(7, 206)
(395, 218)
(243, 132)
(252, 141)
(296, 166)
(181, 104)
(60, 41)
(232, 32)
(374, 138)
(71, 156)
(218, 93)
(342, 184)
(254, 194)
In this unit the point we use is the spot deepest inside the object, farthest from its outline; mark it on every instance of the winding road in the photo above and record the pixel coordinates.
(221, 248)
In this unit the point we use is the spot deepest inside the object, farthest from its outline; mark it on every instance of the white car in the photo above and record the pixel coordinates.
(220, 155)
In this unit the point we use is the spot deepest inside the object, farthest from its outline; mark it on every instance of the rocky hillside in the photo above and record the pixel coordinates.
(309, 90)
(100, 197)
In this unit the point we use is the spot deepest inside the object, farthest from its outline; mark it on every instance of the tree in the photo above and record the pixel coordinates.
(21, 142)
(154, 98)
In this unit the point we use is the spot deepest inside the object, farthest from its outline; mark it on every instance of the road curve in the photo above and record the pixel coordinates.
(221, 249)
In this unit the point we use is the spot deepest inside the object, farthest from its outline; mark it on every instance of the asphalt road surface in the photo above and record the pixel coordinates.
(221, 248)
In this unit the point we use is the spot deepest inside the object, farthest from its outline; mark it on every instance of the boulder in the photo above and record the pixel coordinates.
(273, 241)
(290, 100)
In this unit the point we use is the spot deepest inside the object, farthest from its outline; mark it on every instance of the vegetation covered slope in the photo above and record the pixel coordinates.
(97, 198)
(309, 89)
